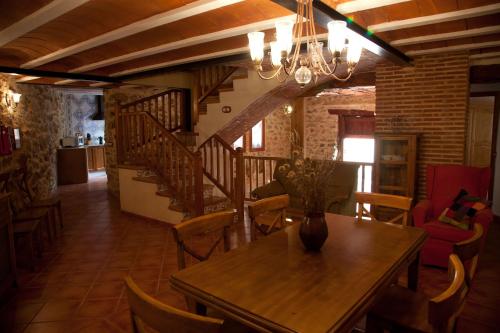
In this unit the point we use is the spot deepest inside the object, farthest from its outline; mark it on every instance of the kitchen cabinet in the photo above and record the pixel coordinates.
(72, 166)
(96, 158)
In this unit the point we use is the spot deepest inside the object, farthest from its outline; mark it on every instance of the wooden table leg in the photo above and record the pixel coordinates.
(413, 273)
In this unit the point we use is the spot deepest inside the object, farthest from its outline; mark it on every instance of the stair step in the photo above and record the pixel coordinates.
(212, 99)
(131, 166)
(164, 193)
(241, 76)
(148, 179)
(177, 207)
(214, 200)
(225, 87)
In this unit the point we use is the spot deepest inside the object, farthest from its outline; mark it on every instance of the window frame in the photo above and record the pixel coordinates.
(263, 148)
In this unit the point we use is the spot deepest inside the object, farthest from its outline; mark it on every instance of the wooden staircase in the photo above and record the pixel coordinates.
(147, 138)
(211, 81)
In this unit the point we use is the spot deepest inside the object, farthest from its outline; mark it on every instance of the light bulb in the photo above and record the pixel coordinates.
(256, 45)
(284, 35)
(303, 75)
(275, 54)
(336, 36)
(354, 49)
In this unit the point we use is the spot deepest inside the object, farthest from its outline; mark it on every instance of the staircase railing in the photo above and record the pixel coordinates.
(208, 79)
(144, 137)
(223, 165)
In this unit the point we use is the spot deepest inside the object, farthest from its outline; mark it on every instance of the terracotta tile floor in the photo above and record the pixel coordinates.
(78, 283)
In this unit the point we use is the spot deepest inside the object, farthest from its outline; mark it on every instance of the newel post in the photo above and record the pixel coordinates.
(118, 134)
(240, 184)
(198, 184)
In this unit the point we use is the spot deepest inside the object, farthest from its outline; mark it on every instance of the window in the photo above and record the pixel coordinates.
(257, 138)
(239, 143)
(359, 149)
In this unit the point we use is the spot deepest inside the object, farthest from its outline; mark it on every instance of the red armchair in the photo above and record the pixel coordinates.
(443, 184)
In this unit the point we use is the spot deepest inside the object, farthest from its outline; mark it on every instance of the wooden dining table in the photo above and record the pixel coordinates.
(275, 285)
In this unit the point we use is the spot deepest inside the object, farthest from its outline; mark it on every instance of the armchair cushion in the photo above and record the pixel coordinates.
(443, 184)
(462, 210)
(271, 189)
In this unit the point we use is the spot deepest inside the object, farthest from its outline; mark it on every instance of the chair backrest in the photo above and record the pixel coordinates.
(468, 252)
(274, 209)
(444, 182)
(163, 318)
(20, 179)
(4, 182)
(444, 308)
(199, 226)
(383, 200)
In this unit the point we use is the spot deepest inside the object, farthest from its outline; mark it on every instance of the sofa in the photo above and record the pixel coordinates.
(443, 184)
(339, 189)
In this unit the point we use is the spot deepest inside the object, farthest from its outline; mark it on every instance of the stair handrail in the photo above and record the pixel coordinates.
(147, 143)
(231, 181)
(217, 84)
(144, 99)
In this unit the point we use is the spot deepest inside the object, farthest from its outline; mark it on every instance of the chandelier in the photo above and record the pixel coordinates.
(285, 61)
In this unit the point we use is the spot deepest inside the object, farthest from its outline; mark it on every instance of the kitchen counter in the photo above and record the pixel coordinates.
(72, 165)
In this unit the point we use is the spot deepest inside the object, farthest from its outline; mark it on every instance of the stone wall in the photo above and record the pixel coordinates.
(111, 99)
(38, 116)
(429, 98)
(320, 127)
(277, 136)
(78, 110)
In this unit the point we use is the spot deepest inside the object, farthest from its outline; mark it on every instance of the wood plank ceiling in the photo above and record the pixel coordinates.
(113, 38)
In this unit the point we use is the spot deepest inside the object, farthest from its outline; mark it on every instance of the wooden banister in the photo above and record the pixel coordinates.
(144, 137)
(223, 166)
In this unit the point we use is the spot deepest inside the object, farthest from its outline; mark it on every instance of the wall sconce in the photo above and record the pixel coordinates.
(12, 99)
(287, 109)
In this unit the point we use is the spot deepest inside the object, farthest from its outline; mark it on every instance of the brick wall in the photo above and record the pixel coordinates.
(430, 98)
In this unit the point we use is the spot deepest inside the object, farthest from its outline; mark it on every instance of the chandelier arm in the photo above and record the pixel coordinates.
(342, 79)
(275, 74)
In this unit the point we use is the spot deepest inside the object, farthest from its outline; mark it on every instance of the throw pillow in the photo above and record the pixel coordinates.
(462, 210)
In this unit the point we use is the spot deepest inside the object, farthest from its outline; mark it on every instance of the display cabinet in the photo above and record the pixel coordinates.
(395, 164)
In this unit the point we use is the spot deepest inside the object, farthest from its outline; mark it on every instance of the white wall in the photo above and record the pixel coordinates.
(245, 92)
(496, 185)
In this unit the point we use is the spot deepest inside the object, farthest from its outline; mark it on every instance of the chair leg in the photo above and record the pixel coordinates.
(39, 241)
(31, 240)
(46, 221)
(59, 212)
(53, 219)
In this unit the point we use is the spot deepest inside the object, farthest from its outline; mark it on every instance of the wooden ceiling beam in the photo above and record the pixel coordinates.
(61, 75)
(45, 14)
(226, 33)
(360, 5)
(191, 9)
(461, 47)
(323, 14)
(436, 18)
(448, 36)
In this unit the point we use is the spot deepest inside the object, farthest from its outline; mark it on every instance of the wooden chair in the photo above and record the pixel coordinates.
(31, 232)
(402, 310)
(383, 200)
(468, 252)
(198, 226)
(19, 205)
(145, 310)
(267, 215)
(20, 176)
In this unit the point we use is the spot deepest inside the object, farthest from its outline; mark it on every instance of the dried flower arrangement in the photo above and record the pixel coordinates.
(309, 176)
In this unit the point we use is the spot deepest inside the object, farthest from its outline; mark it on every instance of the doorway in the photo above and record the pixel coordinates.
(483, 140)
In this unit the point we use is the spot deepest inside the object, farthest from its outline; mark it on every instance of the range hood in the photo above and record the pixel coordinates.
(99, 114)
